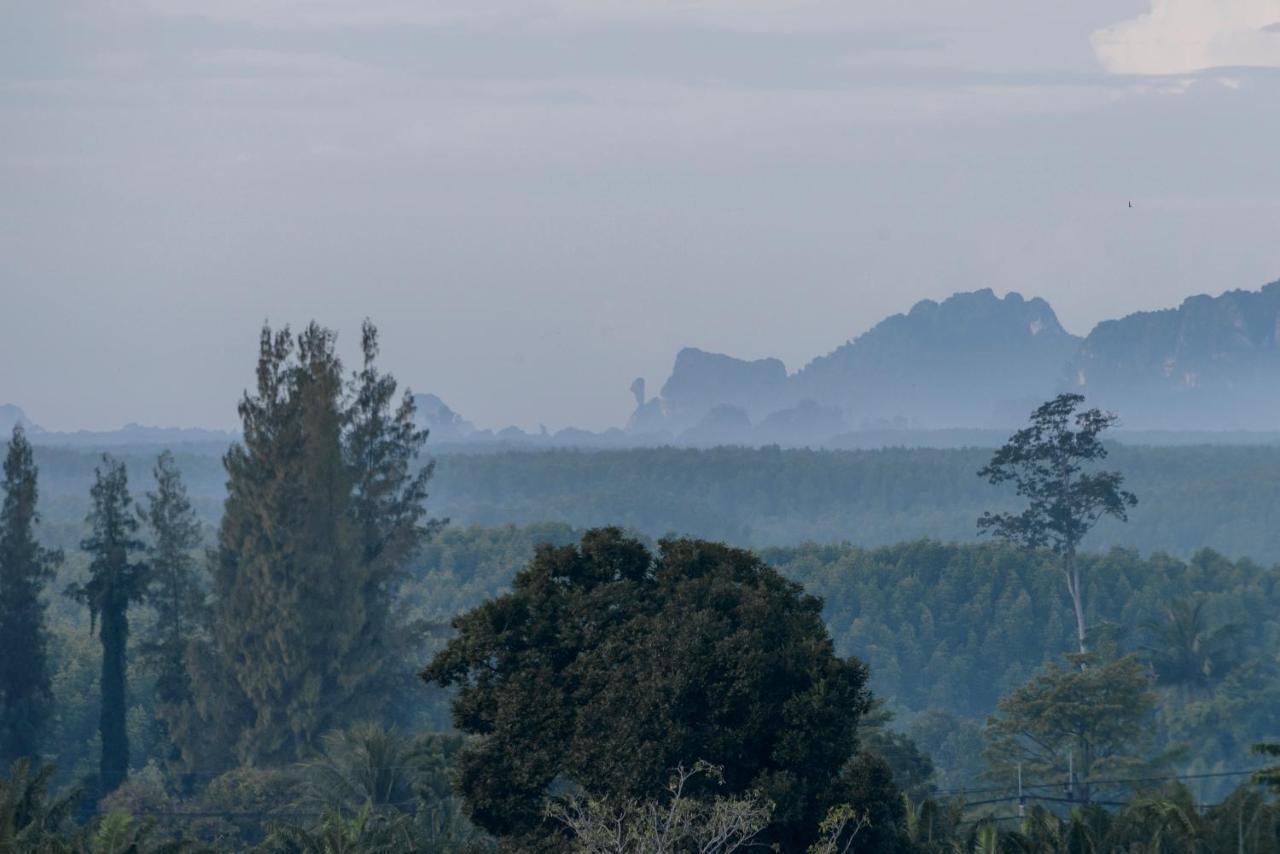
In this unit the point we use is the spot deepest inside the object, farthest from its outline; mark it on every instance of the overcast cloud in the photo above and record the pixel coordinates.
(538, 201)
(1185, 36)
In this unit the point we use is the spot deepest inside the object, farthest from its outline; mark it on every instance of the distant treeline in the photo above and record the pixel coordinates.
(1222, 497)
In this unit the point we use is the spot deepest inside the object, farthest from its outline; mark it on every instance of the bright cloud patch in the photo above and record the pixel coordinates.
(1183, 36)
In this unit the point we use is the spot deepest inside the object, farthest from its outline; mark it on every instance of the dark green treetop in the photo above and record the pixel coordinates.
(175, 592)
(381, 444)
(283, 612)
(116, 581)
(25, 568)
(607, 666)
(323, 509)
(1094, 721)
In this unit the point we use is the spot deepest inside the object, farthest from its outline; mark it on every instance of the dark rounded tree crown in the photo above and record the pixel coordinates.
(607, 666)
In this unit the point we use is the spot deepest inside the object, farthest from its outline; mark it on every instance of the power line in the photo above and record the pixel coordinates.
(1112, 781)
(1011, 797)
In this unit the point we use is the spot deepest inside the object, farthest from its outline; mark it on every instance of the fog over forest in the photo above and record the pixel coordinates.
(635, 427)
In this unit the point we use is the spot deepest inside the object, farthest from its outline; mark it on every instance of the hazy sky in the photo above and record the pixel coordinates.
(539, 200)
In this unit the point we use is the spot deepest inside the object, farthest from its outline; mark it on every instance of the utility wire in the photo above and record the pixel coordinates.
(1011, 797)
(1117, 780)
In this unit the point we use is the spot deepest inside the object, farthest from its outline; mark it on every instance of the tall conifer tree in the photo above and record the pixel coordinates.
(279, 609)
(25, 567)
(383, 443)
(174, 592)
(115, 583)
(323, 507)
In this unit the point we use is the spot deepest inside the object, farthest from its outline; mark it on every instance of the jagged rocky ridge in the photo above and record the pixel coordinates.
(958, 372)
(1212, 363)
(976, 361)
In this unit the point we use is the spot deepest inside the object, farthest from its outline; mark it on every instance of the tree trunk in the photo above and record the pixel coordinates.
(112, 724)
(1077, 600)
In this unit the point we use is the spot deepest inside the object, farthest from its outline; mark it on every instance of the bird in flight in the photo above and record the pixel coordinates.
(1130, 204)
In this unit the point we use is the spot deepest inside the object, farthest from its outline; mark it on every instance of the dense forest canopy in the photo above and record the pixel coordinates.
(948, 629)
(1224, 498)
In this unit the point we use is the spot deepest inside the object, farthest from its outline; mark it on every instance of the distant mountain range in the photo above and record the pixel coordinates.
(961, 371)
(128, 435)
(977, 361)
(1212, 363)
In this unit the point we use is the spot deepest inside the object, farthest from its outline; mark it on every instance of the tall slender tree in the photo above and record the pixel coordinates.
(174, 591)
(116, 581)
(324, 505)
(25, 568)
(1049, 463)
(283, 610)
(383, 443)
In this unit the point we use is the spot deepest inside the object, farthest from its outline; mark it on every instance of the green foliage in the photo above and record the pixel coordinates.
(115, 583)
(454, 572)
(31, 820)
(912, 769)
(283, 614)
(242, 803)
(73, 741)
(1187, 653)
(1046, 464)
(323, 508)
(439, 818)
(1244, 821)
(462, 567)
(956, 627)
(1092, 719)
(870, 792)
(121, 833)
(25, 568)
(1161, 821)
(364, 764)
(367, 766)
(953, 746)
(948, 629)
(606, 666)
(931, 825)
(368, 787)
(369, 831)
(175, 593)
(1269, 776)
(381, 444)
(34, 822)
(1193, 497)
